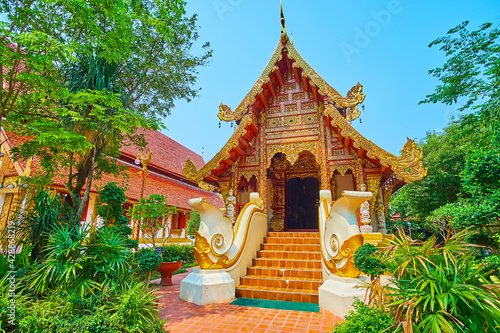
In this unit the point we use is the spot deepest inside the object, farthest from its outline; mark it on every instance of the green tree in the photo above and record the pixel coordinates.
(445, 155)
(152, 213)
(461, 189)
(193, 224)
(109, 207)
(116, 66)
(470, 75)
(479, 206)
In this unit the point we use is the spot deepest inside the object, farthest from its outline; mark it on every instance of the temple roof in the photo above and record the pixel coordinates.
(337, 110)
(169, 155)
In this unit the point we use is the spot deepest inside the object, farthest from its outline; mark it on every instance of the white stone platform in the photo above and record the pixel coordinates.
(207, 286)
(337, 294)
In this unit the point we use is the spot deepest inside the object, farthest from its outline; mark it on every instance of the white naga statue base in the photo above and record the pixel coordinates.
(207, 286)
(337, 294)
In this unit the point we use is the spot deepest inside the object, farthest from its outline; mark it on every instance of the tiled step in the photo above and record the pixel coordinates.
(280, 282)
(293, 234)
(264, 254)
(287, 263)
(287, 268)
(278, 294)
(291, 247)
(291, 240)
(285, 273)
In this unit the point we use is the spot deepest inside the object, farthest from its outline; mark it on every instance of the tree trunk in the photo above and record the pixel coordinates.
(85, 199)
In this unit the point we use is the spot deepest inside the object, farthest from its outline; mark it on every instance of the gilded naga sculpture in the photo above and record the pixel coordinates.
(220, 245)
(339, 231)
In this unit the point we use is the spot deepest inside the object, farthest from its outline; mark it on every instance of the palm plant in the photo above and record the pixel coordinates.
(437, 287)
(80, 264)
(45, 212)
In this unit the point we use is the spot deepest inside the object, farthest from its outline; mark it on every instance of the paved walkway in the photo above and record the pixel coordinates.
(222, 317)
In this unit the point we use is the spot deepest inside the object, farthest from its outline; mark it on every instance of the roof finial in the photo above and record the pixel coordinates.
(284, 37)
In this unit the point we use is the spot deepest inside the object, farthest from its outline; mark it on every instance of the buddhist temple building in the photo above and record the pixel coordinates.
(303, 191)
(294, 137)
(164, 176)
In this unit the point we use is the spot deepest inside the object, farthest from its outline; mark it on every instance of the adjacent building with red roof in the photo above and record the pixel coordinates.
(164, 176)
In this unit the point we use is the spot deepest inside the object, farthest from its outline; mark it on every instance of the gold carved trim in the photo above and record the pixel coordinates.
(302, 175)
(408, 167)
(292, 150)
(387, 193)
(202, 247)
(342, 169)
(248, 174)
(373, 186)
(189, 170)
(226, 114)
(354, 97)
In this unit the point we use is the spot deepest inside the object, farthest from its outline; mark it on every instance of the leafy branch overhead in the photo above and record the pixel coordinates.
(81, 85)
(471, 72)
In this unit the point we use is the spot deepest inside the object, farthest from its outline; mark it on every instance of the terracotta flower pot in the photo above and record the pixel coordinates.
(166, 270)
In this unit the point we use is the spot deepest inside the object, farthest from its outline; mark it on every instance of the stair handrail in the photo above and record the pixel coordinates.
(219, 244)
(339, 231)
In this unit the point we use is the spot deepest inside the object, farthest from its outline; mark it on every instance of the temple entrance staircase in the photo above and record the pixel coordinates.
(287, 268)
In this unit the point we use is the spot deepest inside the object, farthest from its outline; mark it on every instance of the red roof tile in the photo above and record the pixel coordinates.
(170, 158)
(167, 154)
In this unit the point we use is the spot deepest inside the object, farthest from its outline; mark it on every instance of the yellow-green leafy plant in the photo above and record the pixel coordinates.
(438, 287)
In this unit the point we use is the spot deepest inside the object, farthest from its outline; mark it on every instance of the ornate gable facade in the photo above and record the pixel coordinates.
(293, 125)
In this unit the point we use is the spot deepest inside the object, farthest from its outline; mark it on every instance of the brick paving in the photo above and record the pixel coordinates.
(187, 317)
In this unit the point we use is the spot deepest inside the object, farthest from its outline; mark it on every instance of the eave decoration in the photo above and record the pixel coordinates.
(189, 171)
(408, 167)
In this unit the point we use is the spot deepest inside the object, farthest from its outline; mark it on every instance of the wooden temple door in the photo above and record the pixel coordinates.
(302, 201)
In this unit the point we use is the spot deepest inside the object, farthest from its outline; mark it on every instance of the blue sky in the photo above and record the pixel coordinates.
(381, 44)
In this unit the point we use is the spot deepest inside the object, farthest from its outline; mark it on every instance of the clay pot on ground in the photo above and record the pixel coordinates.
(166, 270)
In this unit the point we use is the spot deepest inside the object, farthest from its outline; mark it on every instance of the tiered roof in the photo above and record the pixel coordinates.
(337, 110)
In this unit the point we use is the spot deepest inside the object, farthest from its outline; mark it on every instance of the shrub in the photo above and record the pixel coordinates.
(366, 263)
(148, 261)
(47, 211)
(7, 324)
(364, 319)
(4, 266)
(110, 208)
(193, 223)
(492, 263)
(184, 252)
(81, 264)
(135, 309)
(127, 308)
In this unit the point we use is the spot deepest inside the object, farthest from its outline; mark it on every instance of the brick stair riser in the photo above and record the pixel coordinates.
(290, 247)
(287, 268)
(277, 263)
(293, 235)
(289, 241)
(289, 255)
(280, 283)
(285, 273)
(277, 296)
